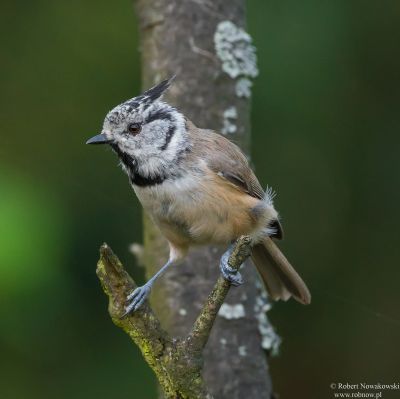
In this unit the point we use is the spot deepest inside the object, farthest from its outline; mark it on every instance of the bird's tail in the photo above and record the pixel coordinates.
(278, 275)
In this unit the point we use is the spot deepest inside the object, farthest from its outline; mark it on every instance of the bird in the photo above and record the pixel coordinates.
(198, 188)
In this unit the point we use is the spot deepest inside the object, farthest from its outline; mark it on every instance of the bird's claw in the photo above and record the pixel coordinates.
(136, 298)
(230, 274)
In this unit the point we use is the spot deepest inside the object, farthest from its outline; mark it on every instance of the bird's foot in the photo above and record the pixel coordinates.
(137, 297)
(230, 274)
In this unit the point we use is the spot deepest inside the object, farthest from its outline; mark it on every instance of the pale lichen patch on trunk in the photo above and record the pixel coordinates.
(234, 48)
(270, 340)
(230, 312)
(229, 125)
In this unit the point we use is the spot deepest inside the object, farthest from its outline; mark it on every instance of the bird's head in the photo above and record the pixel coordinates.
(145, 132)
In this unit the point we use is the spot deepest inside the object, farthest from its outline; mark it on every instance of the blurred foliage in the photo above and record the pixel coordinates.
(325, 135)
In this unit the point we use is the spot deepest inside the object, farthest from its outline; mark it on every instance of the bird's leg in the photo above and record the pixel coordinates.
(136, 298)
(230, 274)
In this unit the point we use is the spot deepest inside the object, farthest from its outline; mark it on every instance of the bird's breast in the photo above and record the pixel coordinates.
(199, 209)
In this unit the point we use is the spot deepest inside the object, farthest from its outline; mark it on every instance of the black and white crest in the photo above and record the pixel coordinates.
(157, 91)
(139, 104)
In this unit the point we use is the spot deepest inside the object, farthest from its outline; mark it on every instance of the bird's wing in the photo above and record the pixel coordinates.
(227, 160)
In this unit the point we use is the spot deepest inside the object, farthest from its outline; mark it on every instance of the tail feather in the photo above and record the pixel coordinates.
(279, 276)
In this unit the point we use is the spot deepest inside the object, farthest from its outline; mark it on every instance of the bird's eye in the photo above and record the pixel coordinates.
(134, 128)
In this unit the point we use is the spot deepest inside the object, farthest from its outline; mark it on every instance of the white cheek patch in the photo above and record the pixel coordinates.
(154, 133)
(154, 159)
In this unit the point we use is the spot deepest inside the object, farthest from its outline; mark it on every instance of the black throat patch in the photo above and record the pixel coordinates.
(135, 177)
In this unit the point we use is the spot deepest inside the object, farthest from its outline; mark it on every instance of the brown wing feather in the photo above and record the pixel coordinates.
(227, 160)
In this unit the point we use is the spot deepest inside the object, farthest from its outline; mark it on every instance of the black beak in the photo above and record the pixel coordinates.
(99, 139)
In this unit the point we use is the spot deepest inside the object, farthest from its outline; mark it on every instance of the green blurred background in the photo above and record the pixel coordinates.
(325, 135)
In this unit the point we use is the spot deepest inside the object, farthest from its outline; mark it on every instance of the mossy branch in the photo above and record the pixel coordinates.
(176, 363)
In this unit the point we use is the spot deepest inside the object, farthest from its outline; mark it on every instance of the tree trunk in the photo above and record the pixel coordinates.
(177, 37)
